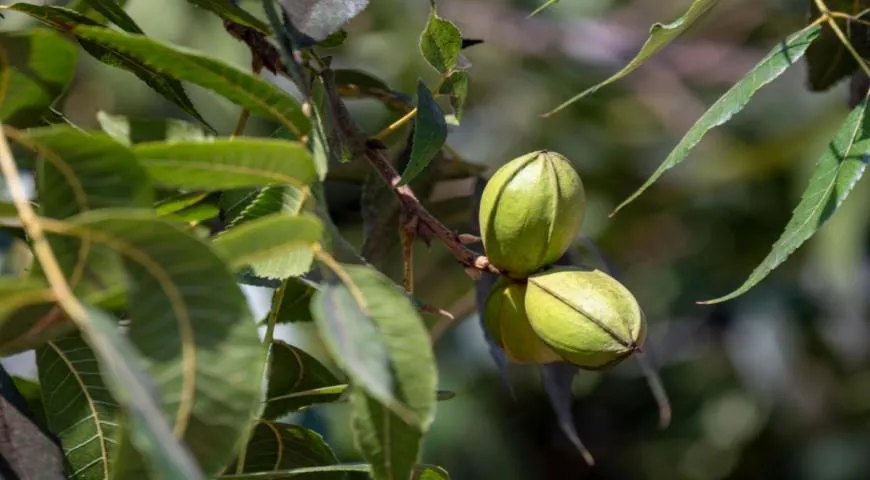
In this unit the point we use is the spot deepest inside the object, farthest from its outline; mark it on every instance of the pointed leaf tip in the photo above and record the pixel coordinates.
(774, 64)
(837, 171)
(660, 36)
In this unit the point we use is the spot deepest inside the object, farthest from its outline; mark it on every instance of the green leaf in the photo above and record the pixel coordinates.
(66, 20)
(190, 320)
(375, 333)
(659, 36)
(297, 381)
(16, 293)
(378, 337)
(771, 66)
(130, 131)
(335, 39)
(112, 11)
(276, 446)
(297, 472)
(291, 300)
(224, 163)
(78, 407)
(456, 86)
(430, 133)
(230, 11)
(178, 203)
(268, 244)
(390, 445)
(828, 60)
(259, 203)
(84, 7)
(35, 67)
(123, 372)
(75, 169)
(543, 6)
(431, 472)
(77, 172)
(441, 43)
(837, 171)
(251, 92)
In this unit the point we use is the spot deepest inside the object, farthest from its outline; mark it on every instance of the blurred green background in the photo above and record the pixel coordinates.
(775, 384)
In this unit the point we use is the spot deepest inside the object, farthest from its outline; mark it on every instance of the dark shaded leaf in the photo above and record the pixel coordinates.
(278, 446)
(557, 379)
(430, 133)
(78, 406)
(828, 60)
(390, 445)
(290, 302)
(35, 67)
(837, 171)
(297, 381)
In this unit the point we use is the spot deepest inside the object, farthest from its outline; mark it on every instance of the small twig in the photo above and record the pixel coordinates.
(428, 225)
(408, 231)
(396, 125)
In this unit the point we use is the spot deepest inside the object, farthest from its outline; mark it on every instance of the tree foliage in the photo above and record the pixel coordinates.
(150, 362)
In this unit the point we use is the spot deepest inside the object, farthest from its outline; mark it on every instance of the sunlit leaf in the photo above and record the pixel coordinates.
(430, 472)
(297, 380)
(230, 11)
(114, 12)
(226, 163)
(379, 339)
(456, 86)
(266, 244)
(543, 6)
(35, 67)
(78, 406)
(430, 133)
(130, 131)
(67, 20)
(837, 171)
(375, 333)
(660, 35)
(254, 93)
(441, 43)
(769, 68)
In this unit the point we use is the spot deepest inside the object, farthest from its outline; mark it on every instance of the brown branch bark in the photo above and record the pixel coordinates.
(413, 211)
